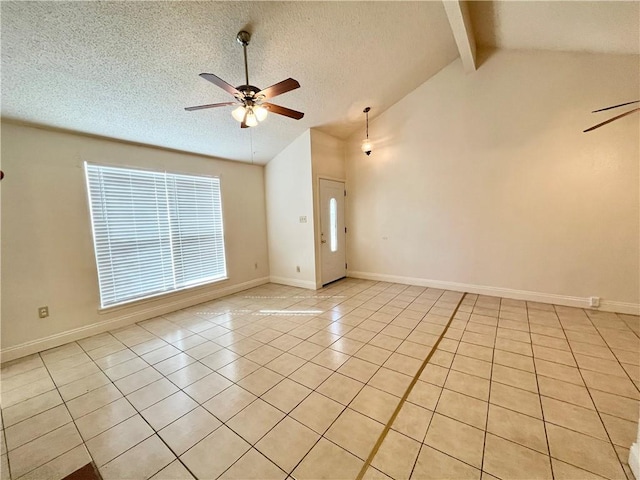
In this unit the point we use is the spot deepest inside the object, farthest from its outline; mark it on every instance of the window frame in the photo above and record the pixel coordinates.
(154, 296)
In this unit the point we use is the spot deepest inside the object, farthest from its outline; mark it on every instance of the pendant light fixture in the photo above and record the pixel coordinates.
(366, 144)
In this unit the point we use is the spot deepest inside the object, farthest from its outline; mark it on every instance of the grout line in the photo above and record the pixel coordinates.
(493, 356)
(387, 427)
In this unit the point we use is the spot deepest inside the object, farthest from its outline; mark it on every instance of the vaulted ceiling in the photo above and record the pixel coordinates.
(126, 70)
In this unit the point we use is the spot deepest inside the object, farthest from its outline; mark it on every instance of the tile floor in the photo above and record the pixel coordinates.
(279, 382)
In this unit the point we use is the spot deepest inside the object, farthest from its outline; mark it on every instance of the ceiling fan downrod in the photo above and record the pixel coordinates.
(243, 38)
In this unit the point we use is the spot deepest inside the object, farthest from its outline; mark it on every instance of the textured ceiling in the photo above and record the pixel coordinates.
(592, 26)
(126, 70)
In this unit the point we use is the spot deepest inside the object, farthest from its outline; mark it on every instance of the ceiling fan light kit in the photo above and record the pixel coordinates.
(251, 107)
(366, 146)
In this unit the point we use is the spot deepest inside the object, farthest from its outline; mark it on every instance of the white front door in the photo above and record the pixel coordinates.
(332, 236)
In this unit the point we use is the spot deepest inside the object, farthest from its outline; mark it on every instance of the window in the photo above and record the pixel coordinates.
(333, 224)
(154, 232)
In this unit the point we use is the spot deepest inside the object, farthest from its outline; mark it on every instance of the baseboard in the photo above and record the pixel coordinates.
(294, 282)
(52, 341)
(634, 459)
(569, 301)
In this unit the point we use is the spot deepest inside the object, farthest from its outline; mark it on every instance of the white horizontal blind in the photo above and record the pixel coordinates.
(154, 232)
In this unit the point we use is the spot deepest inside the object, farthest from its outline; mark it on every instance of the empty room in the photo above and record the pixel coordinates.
(320, 240)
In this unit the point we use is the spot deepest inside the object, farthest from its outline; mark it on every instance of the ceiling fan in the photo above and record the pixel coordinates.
(614, 118)
(252, 107)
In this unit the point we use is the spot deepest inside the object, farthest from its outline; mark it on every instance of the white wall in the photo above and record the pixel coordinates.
(288, 185)
(327, 159)
(485, 182)
(47, 249)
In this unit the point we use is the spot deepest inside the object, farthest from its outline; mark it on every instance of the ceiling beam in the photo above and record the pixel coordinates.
(460, 21)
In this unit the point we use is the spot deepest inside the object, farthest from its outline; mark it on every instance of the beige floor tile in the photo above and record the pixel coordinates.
(186, 376)
(471, 366)
(264, 354)
(442, 358)
(518, 428)
(152, 393)
(610, 384)
(622, 432)
(317, 412)
(203, 350)
(373, 354)
(61, 466)
(311, 375)
(285, 364)
(513, 346)
(306, 350)
(219, 359)
(160, 354)
(435, 465)
(616, 405)
(404, 364)
(161, 414)
(461, 407)
(590, 453)
(286, 395)
(340, 388)
(328, 461)
(93, 400)
(68, 375)
(514, 360)
(37, 387)
(34, 427)
(425, 395)
(456, 439)
(30, 407)
(255, 420)
(506, 459)
(385, 341)
(564, 471)
(608, 367)
(358, 369)
(174, 471)
(260, 381)
(347, 346)
(207, 387)
(415, 350)
(287, 443)
(554, 355)
(515, 378)
(479, 339)
(397, 455)
(127, 368)
(471, 385)
(113, 442)
(142, 461)
(375, 403)
(516, 399)
(567, 392)
(254, 466)
(229, 402)
(390, 381)
(558, 371)
(434, 374)
(330, 359)
(355, 433)
(189, 429)
(104, 418)
(137, 380)
(571, 416)
(412, 421)
(238, 369)
(285, 342)
(213, 455)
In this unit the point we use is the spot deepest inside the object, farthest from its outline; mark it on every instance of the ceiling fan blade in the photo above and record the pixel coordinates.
(211, 105)
(287, 112)
(279, 88)
(220, 83)
(611, 120)
(615, 106)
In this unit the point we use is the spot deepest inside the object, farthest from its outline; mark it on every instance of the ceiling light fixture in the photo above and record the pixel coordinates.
(366, 144)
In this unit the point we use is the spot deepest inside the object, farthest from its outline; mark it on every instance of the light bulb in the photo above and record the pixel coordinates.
(261, 112)
(251, 120)
(238, 113)
(366, 146)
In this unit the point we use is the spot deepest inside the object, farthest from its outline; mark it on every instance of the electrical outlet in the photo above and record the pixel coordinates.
(303, 219)
(298, 268)
(43, 312)
(594, 301)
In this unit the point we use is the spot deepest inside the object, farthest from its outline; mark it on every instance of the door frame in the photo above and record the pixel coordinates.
(317, 225)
